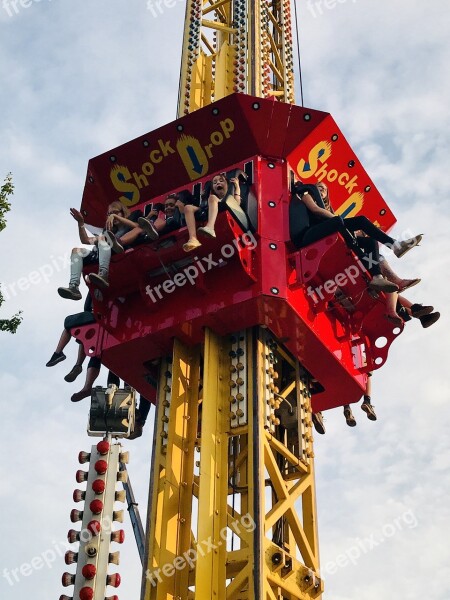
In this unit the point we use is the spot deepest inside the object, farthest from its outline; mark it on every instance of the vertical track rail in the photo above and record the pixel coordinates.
(236, 46)
(232, 509)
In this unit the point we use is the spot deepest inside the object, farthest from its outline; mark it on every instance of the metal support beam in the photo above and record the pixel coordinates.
(236, 46)
(234, 524)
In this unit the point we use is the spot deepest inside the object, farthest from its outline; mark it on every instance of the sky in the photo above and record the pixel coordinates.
(79, 79)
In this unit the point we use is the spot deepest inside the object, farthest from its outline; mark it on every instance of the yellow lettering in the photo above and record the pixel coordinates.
(319, 153)
(227, 127)
(343, 178)
(120, 175)
(216, 138)
(193, 156)
(352, 205)
(141, 179)
(153, 154)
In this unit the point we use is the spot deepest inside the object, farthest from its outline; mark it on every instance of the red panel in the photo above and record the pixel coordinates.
(158, 292)
(186, 150)
(326, 156)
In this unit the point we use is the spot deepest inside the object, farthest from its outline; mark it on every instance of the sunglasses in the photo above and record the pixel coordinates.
(114, 212)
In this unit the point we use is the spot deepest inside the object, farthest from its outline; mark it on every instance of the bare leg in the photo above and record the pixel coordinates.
(406, 303)
(77, 368)
(91, 375)
(130, 236)
(81, 355)
(213, 209)
(388, 272)
(63, 341)
(366, 406)
(391, 308)
(189, 215)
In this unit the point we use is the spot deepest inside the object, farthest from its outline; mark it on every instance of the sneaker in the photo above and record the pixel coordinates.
(113, 242)
(317, 420)
(207, 231)
(56, 358)
(428, 320)
(99, 280)
(350, 419)
(418, 310)
(191, 244)
(380, 284)
(401, 248)
(148, 227)
(368, 409)
(80, 395)
(73, 373)
(70, 293)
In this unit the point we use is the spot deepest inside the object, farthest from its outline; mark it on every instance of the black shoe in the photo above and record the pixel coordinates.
(148, 227)
(113, 243)
(428, 320)
(99, 280)
(317, 420)
(70, 293)
(418, 310)
(73, 373)
(56, 358)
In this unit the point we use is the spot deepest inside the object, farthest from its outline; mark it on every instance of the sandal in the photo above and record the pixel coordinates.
(191, 244)
(409, 283)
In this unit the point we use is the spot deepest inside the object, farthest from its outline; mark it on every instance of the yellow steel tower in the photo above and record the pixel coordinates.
(232, 512)
(236, 46)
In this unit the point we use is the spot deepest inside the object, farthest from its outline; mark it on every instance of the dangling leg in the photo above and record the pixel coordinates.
(424, 313)
(372, 263)
(77, 368)
(58, 355)
(104, 258)
(391, 309)
(213, 210)
(92, 373)
(76, 266)
(366, 406)
(389, 273)
(189, 215)
(349, 418)
(400, 247)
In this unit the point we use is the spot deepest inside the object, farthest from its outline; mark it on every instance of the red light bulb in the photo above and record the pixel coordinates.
(96, 506)
(103, 447)
(101, 466)
(89, 571)
(94, 527)
(86, 593)
(98, 486)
